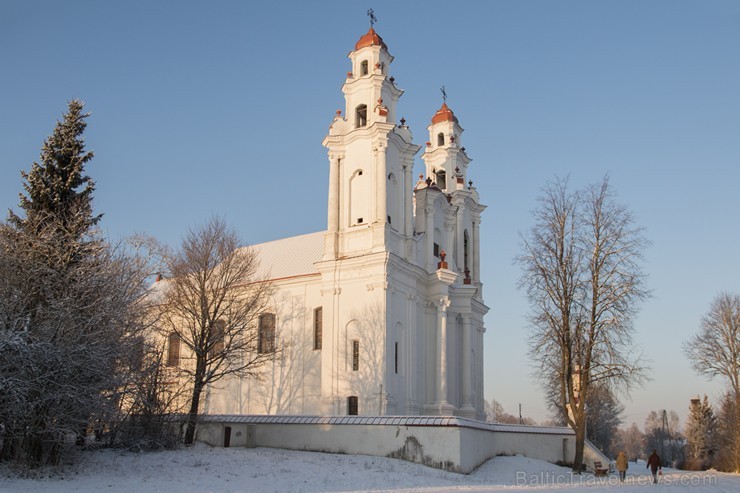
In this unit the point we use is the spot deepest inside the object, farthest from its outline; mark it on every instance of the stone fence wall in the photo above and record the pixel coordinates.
(449, 443)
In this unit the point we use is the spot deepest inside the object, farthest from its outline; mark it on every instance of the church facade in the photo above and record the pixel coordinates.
(382, 313)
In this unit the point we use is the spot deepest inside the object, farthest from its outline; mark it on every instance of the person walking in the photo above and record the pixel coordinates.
(622, 466)
(654, 464)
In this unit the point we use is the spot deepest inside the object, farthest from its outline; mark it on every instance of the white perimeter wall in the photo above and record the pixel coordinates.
(459, 445)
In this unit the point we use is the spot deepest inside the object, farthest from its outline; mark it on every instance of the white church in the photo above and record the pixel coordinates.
(381, 313)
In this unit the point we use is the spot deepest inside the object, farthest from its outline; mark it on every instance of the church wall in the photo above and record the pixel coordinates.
(394, 181)
(355, 291)
(291, 381)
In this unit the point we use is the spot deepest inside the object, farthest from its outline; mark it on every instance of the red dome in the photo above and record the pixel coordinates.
(444, 114)
(370, 39)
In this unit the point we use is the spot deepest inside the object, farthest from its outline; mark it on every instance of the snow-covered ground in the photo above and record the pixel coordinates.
(235, 470)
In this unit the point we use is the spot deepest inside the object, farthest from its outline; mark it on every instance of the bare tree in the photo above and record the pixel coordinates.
(495, 413)
(715, 350)
(63, 356)
(584, 282)
(212, 303)
(662, 433)
(630, 441)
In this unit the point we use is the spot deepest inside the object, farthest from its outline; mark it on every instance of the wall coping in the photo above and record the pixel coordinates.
(441, 421)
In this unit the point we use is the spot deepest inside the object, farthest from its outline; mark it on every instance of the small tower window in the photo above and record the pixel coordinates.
(440, 139)
(361, 116)
(364, 68)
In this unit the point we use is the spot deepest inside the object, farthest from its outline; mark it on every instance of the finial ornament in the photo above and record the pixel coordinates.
(371, 15)
(444, 93)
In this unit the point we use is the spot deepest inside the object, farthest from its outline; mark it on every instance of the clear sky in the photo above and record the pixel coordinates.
(202, 108)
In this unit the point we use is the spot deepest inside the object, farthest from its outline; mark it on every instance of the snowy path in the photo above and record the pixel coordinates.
(205, 469)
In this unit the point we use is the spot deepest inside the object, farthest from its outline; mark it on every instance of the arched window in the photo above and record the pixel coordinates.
(440, 139)
(364, 68)
(352, 405)
(266, 333)
(441, 179)
(173, 349)
(359, 198)
(356, 355)
(217, 337)
(318, 324)
(361, 116)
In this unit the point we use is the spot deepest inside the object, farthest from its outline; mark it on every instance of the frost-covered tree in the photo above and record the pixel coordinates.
(213, 304)
(69, 313)
(582, 272)
(57, 186)
(603, 417)
(701, 434)
(728, 435)
(715, 351)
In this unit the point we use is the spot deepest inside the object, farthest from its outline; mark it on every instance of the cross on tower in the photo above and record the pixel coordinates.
(444, 94)
(373, 19)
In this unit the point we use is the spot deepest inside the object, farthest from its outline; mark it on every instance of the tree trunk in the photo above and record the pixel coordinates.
(580, 441)
(736, 434)
(193, 414)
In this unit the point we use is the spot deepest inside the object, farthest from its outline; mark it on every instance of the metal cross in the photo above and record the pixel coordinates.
(373, 19)
(444, 94)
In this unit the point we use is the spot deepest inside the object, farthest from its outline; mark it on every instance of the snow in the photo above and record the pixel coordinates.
(238, 470)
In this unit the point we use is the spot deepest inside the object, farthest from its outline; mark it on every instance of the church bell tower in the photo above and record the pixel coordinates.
(370, 160)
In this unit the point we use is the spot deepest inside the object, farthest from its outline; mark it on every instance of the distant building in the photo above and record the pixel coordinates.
(382, 313)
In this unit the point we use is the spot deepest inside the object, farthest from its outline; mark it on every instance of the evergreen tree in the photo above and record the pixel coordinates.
(58, 187)
(604, 415)
(70, 317)
(701, 429)
(728, 435)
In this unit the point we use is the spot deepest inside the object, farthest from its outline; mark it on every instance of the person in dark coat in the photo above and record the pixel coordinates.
(653, 463)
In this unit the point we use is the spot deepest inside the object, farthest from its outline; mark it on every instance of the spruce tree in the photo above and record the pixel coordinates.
(70, 317)
(701, 429)
(57, 187)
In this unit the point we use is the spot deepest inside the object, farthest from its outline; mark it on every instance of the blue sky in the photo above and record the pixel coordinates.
(202, 108)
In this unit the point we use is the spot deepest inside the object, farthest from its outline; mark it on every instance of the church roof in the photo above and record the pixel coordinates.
(444, 114)
(289, 257)
(279, 259)
(369, 39)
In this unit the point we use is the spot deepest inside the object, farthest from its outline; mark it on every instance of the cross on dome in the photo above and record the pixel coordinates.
(371, 15)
